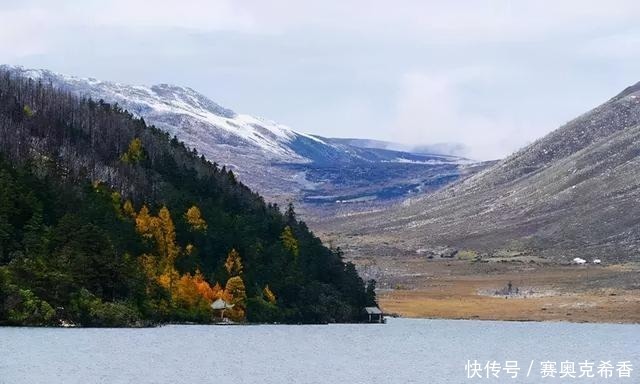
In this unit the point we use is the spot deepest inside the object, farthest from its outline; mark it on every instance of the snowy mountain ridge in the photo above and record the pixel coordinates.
(279, 162)
(160, 100)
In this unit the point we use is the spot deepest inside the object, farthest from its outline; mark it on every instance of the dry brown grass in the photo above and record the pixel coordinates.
(577, 308)
(464, 290)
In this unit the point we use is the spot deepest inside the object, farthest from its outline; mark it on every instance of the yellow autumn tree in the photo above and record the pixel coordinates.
(166, 231)
(161, 230)
(186, 292)
(195, 220)
(194, 291)
(233, 265)
(143, 227)
(268, 294)
(236, 290)
(289, 241)
(204, 289)
(150, 268)
(165, 234)
(128, 209)
(134, 153)
(143, 222)
(219, 293)
(27, 111)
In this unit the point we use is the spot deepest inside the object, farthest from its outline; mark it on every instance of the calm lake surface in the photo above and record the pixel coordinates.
(401, 351)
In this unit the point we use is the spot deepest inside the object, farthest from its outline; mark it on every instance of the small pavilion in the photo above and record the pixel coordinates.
(374, 314)
(221, 305)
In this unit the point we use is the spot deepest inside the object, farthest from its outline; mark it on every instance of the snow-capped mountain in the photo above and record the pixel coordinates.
(272, 158)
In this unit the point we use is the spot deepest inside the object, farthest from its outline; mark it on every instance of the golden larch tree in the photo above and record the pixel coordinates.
(128, 209)
(134, 153)
(236, 290)
(268, 294)
(166, 239)
(233, 265)
(143, 222)
(195, 220)
(162, 230)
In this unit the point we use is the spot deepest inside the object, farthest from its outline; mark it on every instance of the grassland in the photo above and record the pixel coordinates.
(463, 289)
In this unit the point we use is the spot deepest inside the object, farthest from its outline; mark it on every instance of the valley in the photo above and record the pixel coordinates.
(460, 284)
(439, 232)
(571, 194)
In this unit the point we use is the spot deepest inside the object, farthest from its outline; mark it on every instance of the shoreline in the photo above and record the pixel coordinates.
(523, 320)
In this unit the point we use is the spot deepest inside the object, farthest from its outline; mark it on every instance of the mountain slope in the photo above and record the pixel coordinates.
(575, 192)
(280, 163)
(111, 222)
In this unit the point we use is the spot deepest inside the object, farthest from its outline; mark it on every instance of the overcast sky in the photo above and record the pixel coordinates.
(493, 75)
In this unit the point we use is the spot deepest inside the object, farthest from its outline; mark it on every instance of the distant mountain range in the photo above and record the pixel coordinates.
(446, 149)
(572, 193)
(275, 160)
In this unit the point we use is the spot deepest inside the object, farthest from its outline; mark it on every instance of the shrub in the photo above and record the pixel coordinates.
(89, 310)
(261, 311)
(29, 309)
(116, 314)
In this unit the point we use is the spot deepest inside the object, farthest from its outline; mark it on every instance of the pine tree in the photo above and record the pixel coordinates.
(371, 293)
(290, 214)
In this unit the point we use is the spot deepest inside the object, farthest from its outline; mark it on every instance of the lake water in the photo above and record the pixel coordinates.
(401, 351)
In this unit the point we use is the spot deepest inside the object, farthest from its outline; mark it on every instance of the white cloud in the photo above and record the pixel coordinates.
(619, 46)
(24, 32)
(334, 67)
(37, 27)
(464, 20)
(204, 15)
(433, 109)
(435, 20)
